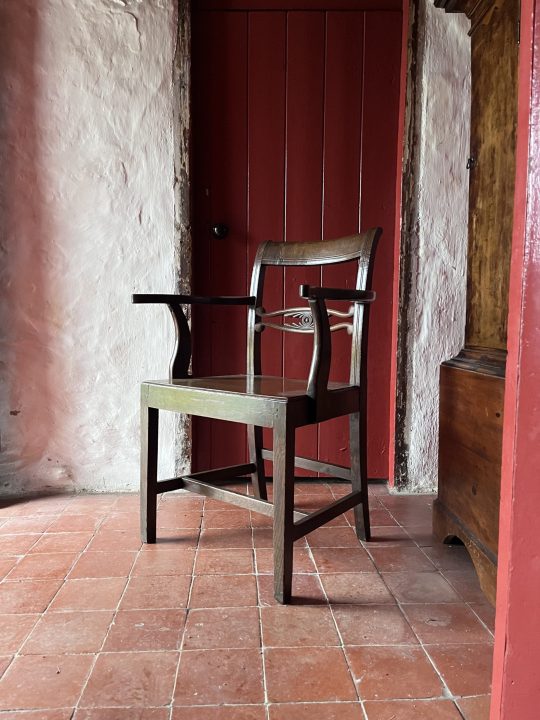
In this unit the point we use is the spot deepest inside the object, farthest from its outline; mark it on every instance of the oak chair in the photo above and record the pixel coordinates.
(279, 403)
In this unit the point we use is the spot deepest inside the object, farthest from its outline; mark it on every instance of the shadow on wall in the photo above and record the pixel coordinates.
(27, 413)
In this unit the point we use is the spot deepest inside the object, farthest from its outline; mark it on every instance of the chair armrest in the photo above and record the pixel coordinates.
(321, 293)
(194, 299)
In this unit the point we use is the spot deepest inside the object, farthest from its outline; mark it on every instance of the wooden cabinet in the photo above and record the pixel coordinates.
(472, 384)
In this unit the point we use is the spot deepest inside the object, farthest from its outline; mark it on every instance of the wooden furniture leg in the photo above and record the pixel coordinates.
(283, 538)
(255, 441)
(357, 429)
(149, 461)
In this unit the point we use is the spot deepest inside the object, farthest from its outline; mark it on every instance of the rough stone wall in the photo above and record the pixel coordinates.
(87, 217)
(436, 318)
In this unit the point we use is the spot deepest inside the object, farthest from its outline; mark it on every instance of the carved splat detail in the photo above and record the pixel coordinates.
(301, 320)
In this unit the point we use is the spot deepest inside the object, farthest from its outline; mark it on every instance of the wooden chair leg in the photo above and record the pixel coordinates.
(283, 508)
(358, 439)
(255, 441)
(149, 461)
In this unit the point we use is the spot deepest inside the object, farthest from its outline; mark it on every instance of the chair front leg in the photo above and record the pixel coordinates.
(358, 441)
(255, 442)
(283, 507)
(149, 461)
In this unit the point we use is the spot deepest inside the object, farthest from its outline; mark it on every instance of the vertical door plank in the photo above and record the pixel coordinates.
(220, 156)
(341, 200)
(267, 36)
(304, 152)
(379, 162)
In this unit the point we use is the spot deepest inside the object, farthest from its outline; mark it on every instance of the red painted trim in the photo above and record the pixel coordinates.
(516, 680)
(397, 246)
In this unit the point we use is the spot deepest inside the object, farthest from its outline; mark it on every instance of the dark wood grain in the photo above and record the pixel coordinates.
(279, 403)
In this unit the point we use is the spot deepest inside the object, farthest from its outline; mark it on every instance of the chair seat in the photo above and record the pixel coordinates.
(264, 386)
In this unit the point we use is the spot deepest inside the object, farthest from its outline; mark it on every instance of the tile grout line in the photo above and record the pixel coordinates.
(188, 610)
(342, 644)
(113, 618)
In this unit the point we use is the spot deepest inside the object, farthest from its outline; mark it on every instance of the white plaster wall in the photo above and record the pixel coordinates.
(437, 324)
(86, 218)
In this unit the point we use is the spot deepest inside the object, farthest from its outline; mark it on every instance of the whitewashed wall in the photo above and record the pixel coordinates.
(437, 305)
(86, 218)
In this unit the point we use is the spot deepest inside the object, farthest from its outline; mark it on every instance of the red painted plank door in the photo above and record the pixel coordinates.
(295, 118)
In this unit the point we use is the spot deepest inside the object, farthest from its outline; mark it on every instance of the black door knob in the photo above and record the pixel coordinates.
(220, 230)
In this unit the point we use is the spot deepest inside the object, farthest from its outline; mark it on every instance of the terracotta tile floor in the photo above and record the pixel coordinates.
(93, 626)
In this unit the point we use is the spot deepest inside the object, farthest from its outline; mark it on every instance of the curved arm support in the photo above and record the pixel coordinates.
(319, 371)
(181, 357)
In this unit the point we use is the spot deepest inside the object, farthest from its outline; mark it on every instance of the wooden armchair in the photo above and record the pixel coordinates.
(279, 403)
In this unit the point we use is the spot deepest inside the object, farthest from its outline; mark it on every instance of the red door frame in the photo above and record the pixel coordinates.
(516, 679)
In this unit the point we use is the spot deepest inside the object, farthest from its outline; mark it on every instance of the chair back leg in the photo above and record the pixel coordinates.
(149, 463)
(255, 443)
(284, 435)
(357, 443)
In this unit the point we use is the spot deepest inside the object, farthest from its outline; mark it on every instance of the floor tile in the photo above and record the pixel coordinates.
(232, 712)
(164, 562)
(388, 536)
(306, 590)
(68, 632)
(412, 710)
(36, 524)
(107, 540)
(446, 623)
(302, 562)
(475, 708)
(48, 681)
(226, 519)
(219, 591)
(379, 517)
(7, 563)
(75, 523)
(384, 673)
(62, 542)
(216, 538)
(60, 714)
(103, 564)
(466, 584)
(18, 544)
(175, 517)
(14, 629)
(27, 596)
(450, 557)
(44, 566)
(292, 626)
(92, 503)
(466, 669)
(307, 675)
(156, 591)
(122, 714)
(222, 628)
(419, 587)
(121, 521)
(421, 534)
(224, 562)
(134, 630)
(211, 677)
(143, 679)
(486, 613)
(89, 594)
(400, 559)
(316, 711)
(4, 663)
(333, 537)
(342, 560)
(173, 539)
(373, 625)
(356, 588)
